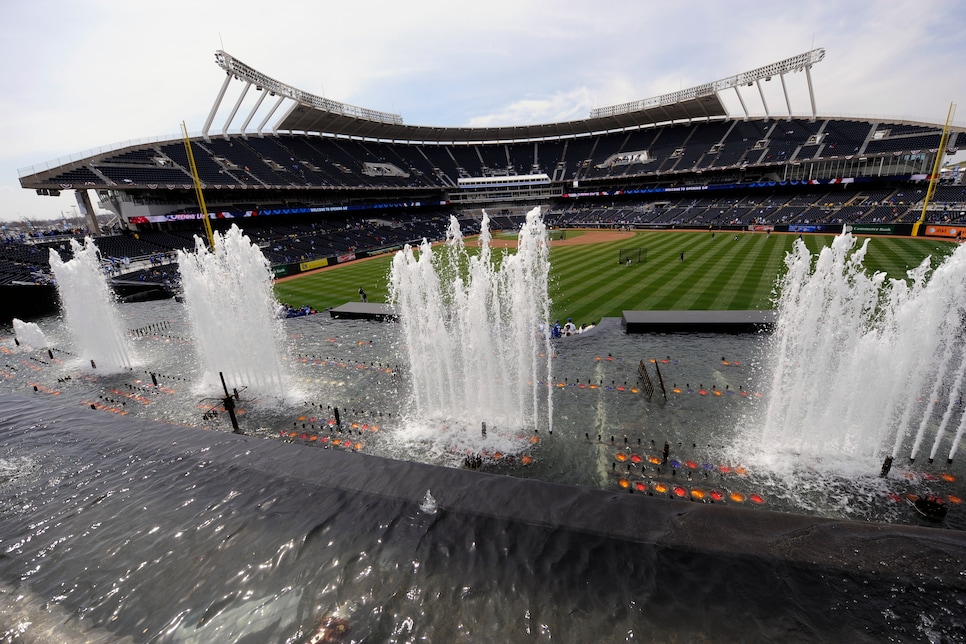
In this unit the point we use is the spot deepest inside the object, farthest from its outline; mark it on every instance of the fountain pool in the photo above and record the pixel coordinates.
(577, 527)
(606, 433)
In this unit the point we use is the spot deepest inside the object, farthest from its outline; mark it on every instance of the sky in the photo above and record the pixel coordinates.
(79, 75)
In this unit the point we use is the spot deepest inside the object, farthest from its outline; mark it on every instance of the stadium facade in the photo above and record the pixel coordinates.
(323, 156)
(315, 181)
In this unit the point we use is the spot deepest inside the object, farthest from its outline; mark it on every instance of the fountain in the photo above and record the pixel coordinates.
(862, 369)
(90, 307)
(29, 334)
(475, 335)
(330, 523)
(231, 307)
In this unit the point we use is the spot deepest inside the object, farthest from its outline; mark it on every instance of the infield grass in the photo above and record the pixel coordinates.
(587, 282)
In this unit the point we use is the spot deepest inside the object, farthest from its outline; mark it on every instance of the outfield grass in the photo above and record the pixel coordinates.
(587, 282)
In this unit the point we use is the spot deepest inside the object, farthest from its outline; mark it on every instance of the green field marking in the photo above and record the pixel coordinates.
(337, 286)
(903, 254)
(587, 282)
(756, 275)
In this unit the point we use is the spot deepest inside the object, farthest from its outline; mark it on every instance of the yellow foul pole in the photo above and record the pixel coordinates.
(934, 177)
(198, 193)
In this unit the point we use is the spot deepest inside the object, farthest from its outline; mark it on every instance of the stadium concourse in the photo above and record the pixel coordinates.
(329, 182)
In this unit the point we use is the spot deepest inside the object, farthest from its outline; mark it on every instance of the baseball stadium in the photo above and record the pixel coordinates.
(667, 372)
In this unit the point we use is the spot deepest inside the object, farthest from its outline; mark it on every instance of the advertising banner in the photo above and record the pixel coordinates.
(313, 264)
(283, 269)
(874, 229)
(944, 231)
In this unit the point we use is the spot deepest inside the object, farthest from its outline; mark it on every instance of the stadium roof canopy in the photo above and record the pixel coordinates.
(308, 113)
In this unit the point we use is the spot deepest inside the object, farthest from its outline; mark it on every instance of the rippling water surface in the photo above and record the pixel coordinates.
(115, 527)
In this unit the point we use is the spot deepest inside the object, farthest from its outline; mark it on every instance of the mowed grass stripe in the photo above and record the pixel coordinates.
(742, 277)
(693, 286)
(900, 255)
(889, 257)
(686, 282)
(738, 259)
(757, 280)
(581, 281)
(587, 282)
(596, 263)
(337, 286)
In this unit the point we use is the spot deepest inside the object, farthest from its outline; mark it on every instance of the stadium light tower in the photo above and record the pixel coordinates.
(237, 70)
(801, 62)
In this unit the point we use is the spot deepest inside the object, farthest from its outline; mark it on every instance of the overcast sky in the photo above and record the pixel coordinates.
(79, 75)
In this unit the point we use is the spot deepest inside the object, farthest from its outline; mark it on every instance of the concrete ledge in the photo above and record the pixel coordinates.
(363, 311)
(899, 551)
(697, 321)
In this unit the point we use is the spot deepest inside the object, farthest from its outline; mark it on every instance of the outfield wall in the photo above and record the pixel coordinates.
(286, 270)
(827, 229)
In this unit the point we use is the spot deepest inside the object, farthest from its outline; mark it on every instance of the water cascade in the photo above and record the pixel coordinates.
(862, 368)
(231, 306)
(475, 333)
(29, 334)
(90, 308)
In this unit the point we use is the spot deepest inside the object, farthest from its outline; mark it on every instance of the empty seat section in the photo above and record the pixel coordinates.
(738, 146)
(441, 161)
(668, 140)
(209, 170)
(843, 138)
(467, 160)
(77, 177)
(242, 157)
(577, 156)
(135, 175)
(915, 143)
(494, 159)
(549, 158)
(523, 158)
(703, 138)
(408, 159)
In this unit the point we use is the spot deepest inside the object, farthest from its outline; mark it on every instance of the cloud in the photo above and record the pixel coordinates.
(560, 106)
